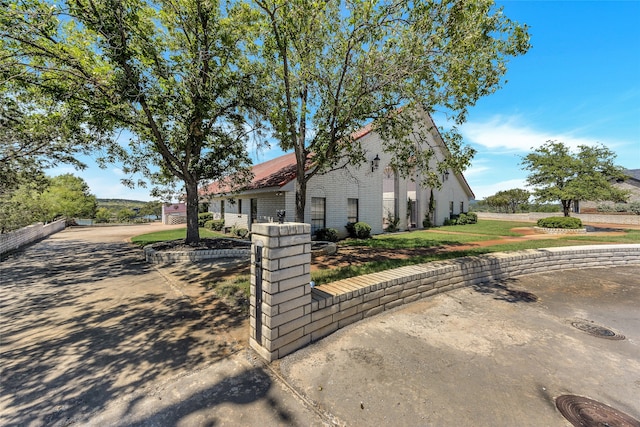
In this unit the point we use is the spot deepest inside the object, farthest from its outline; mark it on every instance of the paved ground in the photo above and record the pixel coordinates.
(91, 335)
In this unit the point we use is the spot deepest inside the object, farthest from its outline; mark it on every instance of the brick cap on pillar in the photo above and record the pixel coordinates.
(276, 229)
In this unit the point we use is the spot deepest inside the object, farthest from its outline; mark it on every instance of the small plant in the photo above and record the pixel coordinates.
(634, 207)
(392, 223)
(327, 234)
(239, 232)
(426, 222)
(214, 224)
(560, 222)
(362, 230)
(203, 218)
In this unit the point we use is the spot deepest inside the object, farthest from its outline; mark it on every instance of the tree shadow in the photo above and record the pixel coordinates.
(81, 326)
(502, 292)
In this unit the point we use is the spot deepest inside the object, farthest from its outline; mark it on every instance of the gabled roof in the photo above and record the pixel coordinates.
(274, 173)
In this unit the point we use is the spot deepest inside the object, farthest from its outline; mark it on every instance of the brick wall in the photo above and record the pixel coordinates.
(287, 314)
(16, 239)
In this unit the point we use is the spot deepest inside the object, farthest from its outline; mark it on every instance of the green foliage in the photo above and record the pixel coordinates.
(175, 76)
(513, 200)
(462, 219)
(330, 69)
(204, 217)
(392, 223)
(634, 207)
(559, 222)
(358, 230)
(102, 215)
(126, 215)
(239, 232)
(68, 196)
(426, 222)
(327, 234)
(214, 224)
(560, 175)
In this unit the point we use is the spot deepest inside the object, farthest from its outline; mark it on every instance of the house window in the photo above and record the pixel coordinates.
(450, 209)
(352, 210)
(318, 217)
(222, 209)
(239, 206)
(461, 207)
(254, 210)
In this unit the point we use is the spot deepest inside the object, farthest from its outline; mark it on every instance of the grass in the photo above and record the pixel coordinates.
(482, 231)
(174, 234)
(450, 235)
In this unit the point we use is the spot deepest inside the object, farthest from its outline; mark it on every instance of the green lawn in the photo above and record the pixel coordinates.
(173, 234)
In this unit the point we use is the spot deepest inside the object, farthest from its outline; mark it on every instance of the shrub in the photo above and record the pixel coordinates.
(214, 224)
(560, 222)
(426, 222)
(239, 232)
(327, 234)
(634, 207)
(472, 217)
(204, 217)
(392, 223)
(362, 230)
(621, 207)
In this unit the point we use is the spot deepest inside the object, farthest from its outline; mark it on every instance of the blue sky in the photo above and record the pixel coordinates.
(579, 84)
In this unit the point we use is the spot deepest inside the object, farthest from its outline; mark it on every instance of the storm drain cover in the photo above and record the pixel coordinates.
(584, 412)
(596, 330)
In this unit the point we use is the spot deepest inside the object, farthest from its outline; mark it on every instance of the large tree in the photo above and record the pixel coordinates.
(169, 72)
(558, 174)
(336, 66)
(509, 200)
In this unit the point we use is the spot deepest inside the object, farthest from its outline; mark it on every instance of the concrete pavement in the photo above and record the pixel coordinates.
(91, 335)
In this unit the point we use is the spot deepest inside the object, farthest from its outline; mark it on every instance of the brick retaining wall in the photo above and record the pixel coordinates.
(167, 257)
(288, 314)
(18, 238)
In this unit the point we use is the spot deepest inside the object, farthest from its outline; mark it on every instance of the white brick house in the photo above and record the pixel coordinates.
(363, 193)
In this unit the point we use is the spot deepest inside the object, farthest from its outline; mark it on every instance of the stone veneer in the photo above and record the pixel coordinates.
(288, 314)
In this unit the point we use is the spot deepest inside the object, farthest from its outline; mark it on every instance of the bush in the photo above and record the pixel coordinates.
(204, 217)
(327, 234)
(621, 207)
(560, 222)
(472, 217)
(634, 207)
(426, 222)
(239, 232)
(214, 224)
(462, 219)
(362, 230)
(392, 223)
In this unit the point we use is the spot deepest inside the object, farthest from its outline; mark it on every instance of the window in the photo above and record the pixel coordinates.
(461, 207)
(254, 210)
(450, 209)
(239, 206)
(222, 209)
(352, 210)
(318, 209)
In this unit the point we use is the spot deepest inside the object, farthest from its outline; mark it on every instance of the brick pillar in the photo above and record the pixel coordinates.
(280, 291)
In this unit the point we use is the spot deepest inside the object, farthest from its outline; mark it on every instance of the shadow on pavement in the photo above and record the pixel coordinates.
(84, 324)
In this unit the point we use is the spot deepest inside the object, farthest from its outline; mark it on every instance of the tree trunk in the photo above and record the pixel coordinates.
(301, 197)
(566, 205)
(193, 232)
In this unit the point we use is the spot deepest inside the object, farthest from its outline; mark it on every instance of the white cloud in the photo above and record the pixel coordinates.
(510, 133)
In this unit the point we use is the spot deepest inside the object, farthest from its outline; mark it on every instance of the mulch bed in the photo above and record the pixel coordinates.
(204, 244)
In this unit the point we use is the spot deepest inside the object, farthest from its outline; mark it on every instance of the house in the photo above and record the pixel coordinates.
(371, 192)
(174, 213)
(631, 184)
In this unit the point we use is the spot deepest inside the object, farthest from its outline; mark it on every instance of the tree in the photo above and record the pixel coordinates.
(557, 174)
(68, 195)
(168, 72)
(509, 200)
(334, 67)
(151, 208)
(102, 215)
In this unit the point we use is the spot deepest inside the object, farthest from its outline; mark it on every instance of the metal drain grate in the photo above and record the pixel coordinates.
(584, 412)
(596, 330)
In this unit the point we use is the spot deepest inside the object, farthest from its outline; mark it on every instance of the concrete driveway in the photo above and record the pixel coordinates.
(92, 335)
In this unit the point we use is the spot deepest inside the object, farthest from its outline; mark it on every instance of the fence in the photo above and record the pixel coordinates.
(286, 313)
(18, 238)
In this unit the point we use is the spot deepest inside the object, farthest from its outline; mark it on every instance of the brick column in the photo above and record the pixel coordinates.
(280, 291)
